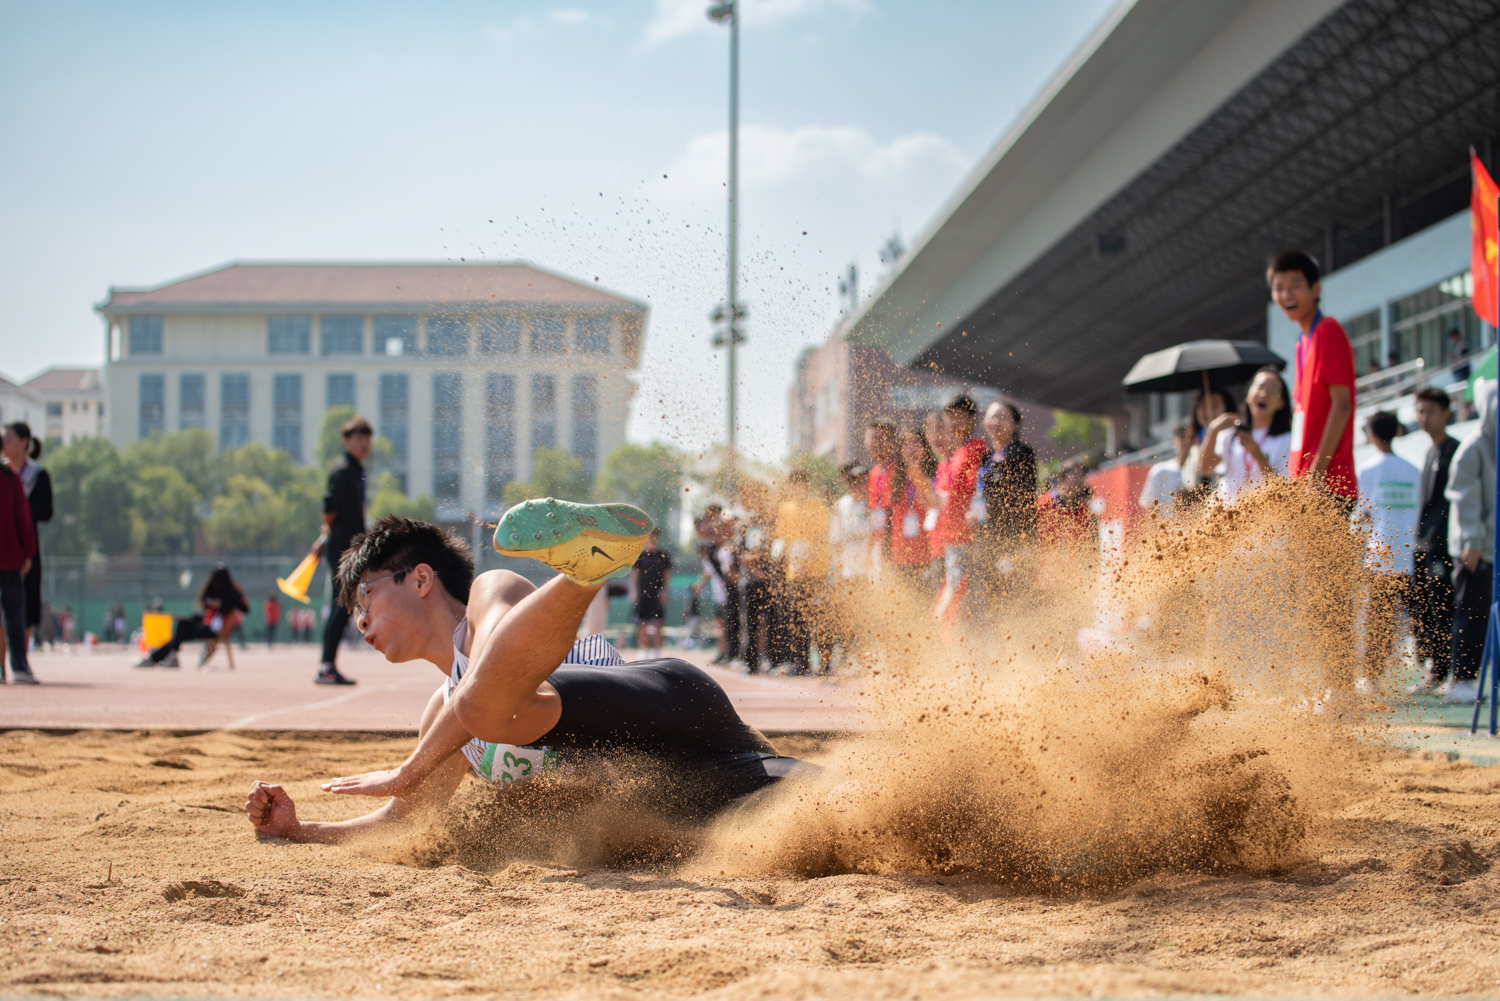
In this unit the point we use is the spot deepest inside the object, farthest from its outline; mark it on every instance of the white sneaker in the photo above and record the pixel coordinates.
(1462, 693)
(23, 678)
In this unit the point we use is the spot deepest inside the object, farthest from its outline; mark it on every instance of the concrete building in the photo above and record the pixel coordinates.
(1135, 203)
(17, 403)
(466, 368)
(73, 401)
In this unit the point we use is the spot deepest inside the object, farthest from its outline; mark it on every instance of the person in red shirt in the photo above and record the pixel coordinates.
(880, 442)
(17, 550)
(952, 536)
(272, 612)
(1323, 382)
(1066, 529)
(911, 485)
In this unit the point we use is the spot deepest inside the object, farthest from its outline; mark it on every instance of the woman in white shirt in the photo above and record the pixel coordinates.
(1245, 447)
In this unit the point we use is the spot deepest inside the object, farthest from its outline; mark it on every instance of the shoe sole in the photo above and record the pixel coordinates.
(580, 555)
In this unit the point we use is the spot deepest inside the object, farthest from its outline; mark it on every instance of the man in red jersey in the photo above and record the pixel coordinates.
(1323, 381)
(953, 536)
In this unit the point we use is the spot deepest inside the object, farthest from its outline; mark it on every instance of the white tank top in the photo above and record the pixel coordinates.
(505, 764)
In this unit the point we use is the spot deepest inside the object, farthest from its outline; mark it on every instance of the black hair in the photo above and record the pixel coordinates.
(22, 430)
(1281, 420)
(1434, 395)
(219, 583)
(1215, 391)
(399, 545)
(1015, 411)
(853, 470)
(356, 425)
(1384, 425)
(964, 403)
(1294, 260)
(898, 468)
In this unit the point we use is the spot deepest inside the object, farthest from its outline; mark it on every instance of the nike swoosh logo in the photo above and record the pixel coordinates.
(601, 552)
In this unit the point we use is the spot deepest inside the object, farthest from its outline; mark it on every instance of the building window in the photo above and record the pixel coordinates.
(448, 336)
(54, 410)
(288, 335)
(395, 335)
(593, 335)
(586, 421)
(500, 434)
(145, 335)
(394, 409)
(190, 402)
(234, 410)
(286, 414)
(499, 335)
(547, 334)
(447, 435)
(543, 412)
(1420, 323)
(1364, 338)
(153, 404)
(340, 390)
(343, 335)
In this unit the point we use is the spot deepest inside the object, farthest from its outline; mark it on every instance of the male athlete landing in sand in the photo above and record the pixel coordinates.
(521, 695)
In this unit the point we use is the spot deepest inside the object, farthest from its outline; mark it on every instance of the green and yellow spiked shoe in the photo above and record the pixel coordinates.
(588, 543)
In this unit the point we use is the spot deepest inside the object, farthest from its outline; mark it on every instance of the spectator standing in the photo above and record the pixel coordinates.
(651, 577)
(1245, 447)
(271, 611)
(953, 534)
(851, 523)
(1471, 544)
(221, 603)
(1388, 498)
(1067, 531)
(721, 533)
(802, 529)
(881, 443)
(1003, 511)
(343, 519)
(1207, 408)
(1164, 481)
(21, 451)
(1458, 350)
(911, 489)
(1323, 385)
(17, 550)
(1430, 599)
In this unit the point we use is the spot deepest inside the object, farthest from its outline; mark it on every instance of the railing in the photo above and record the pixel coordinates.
(1398, 380)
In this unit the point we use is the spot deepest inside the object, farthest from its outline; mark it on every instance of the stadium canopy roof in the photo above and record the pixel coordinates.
(1133, 205)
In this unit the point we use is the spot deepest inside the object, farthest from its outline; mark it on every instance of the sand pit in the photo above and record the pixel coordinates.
(128, 869)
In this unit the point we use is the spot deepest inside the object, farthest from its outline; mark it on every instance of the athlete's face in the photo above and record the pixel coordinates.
(390, 613)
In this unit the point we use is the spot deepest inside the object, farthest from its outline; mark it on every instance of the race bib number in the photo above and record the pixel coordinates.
(1299, 421)
(877, 519)
(910, 526)
(930, 522)
(507, 764)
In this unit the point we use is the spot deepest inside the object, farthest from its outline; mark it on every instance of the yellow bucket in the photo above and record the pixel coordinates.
(156, 629)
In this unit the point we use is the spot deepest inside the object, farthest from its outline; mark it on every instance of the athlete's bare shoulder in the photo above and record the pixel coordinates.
(497, 588)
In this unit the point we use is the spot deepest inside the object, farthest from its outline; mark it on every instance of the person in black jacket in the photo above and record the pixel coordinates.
(1004, 509)
(21, 451)
(1430, 600)
(223, 604)
(343, 519)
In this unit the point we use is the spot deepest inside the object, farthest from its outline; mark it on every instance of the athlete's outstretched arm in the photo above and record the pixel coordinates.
(271, 810)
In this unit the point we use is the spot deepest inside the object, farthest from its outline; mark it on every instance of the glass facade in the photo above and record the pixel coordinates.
(548, 334)
(288, 335)
(286, 414)
(1365, 337)
(343, 335)
(448, 336)
(586, 421)
(191, 411)
(1421, 323)
(543, 412)
(153, 404)
(341, 390)
(395, 335)
(447, 435)
(395, 409)
(593, 335)
(500, 434)
(499, 335)
(234, 410)
(145, 335)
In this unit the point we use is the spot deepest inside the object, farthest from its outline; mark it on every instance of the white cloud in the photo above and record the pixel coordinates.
(682, 17)
(568, 17)
(571, 16)
(810, 154)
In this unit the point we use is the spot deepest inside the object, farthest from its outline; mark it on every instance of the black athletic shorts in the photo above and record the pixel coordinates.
(669, 712)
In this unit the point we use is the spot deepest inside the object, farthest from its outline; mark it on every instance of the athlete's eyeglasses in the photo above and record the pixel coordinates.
(362, 603)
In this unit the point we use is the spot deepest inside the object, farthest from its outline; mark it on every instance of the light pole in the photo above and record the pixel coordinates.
(719, 13)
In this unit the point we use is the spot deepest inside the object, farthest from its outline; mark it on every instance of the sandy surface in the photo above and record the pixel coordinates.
(126, 867)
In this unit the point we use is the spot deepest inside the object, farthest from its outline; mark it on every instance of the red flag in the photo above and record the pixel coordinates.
(1486, 246)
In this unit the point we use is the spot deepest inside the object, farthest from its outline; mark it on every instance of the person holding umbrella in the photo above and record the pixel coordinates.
(1247, 446)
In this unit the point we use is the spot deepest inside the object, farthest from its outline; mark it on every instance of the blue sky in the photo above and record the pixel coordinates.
(146, 141)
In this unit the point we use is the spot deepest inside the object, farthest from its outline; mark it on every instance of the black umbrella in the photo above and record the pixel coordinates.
(1195, 364)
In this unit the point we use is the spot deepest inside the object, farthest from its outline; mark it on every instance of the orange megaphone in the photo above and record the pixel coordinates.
(296, 585)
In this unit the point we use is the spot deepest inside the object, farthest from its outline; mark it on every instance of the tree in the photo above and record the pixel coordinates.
(91, 492)
(648, 476)
(822, 475)
(1072, 430)
(190, 452)
(554, 473)
(247, 517)
(390, 499)
(162, 515)
(330, 438)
